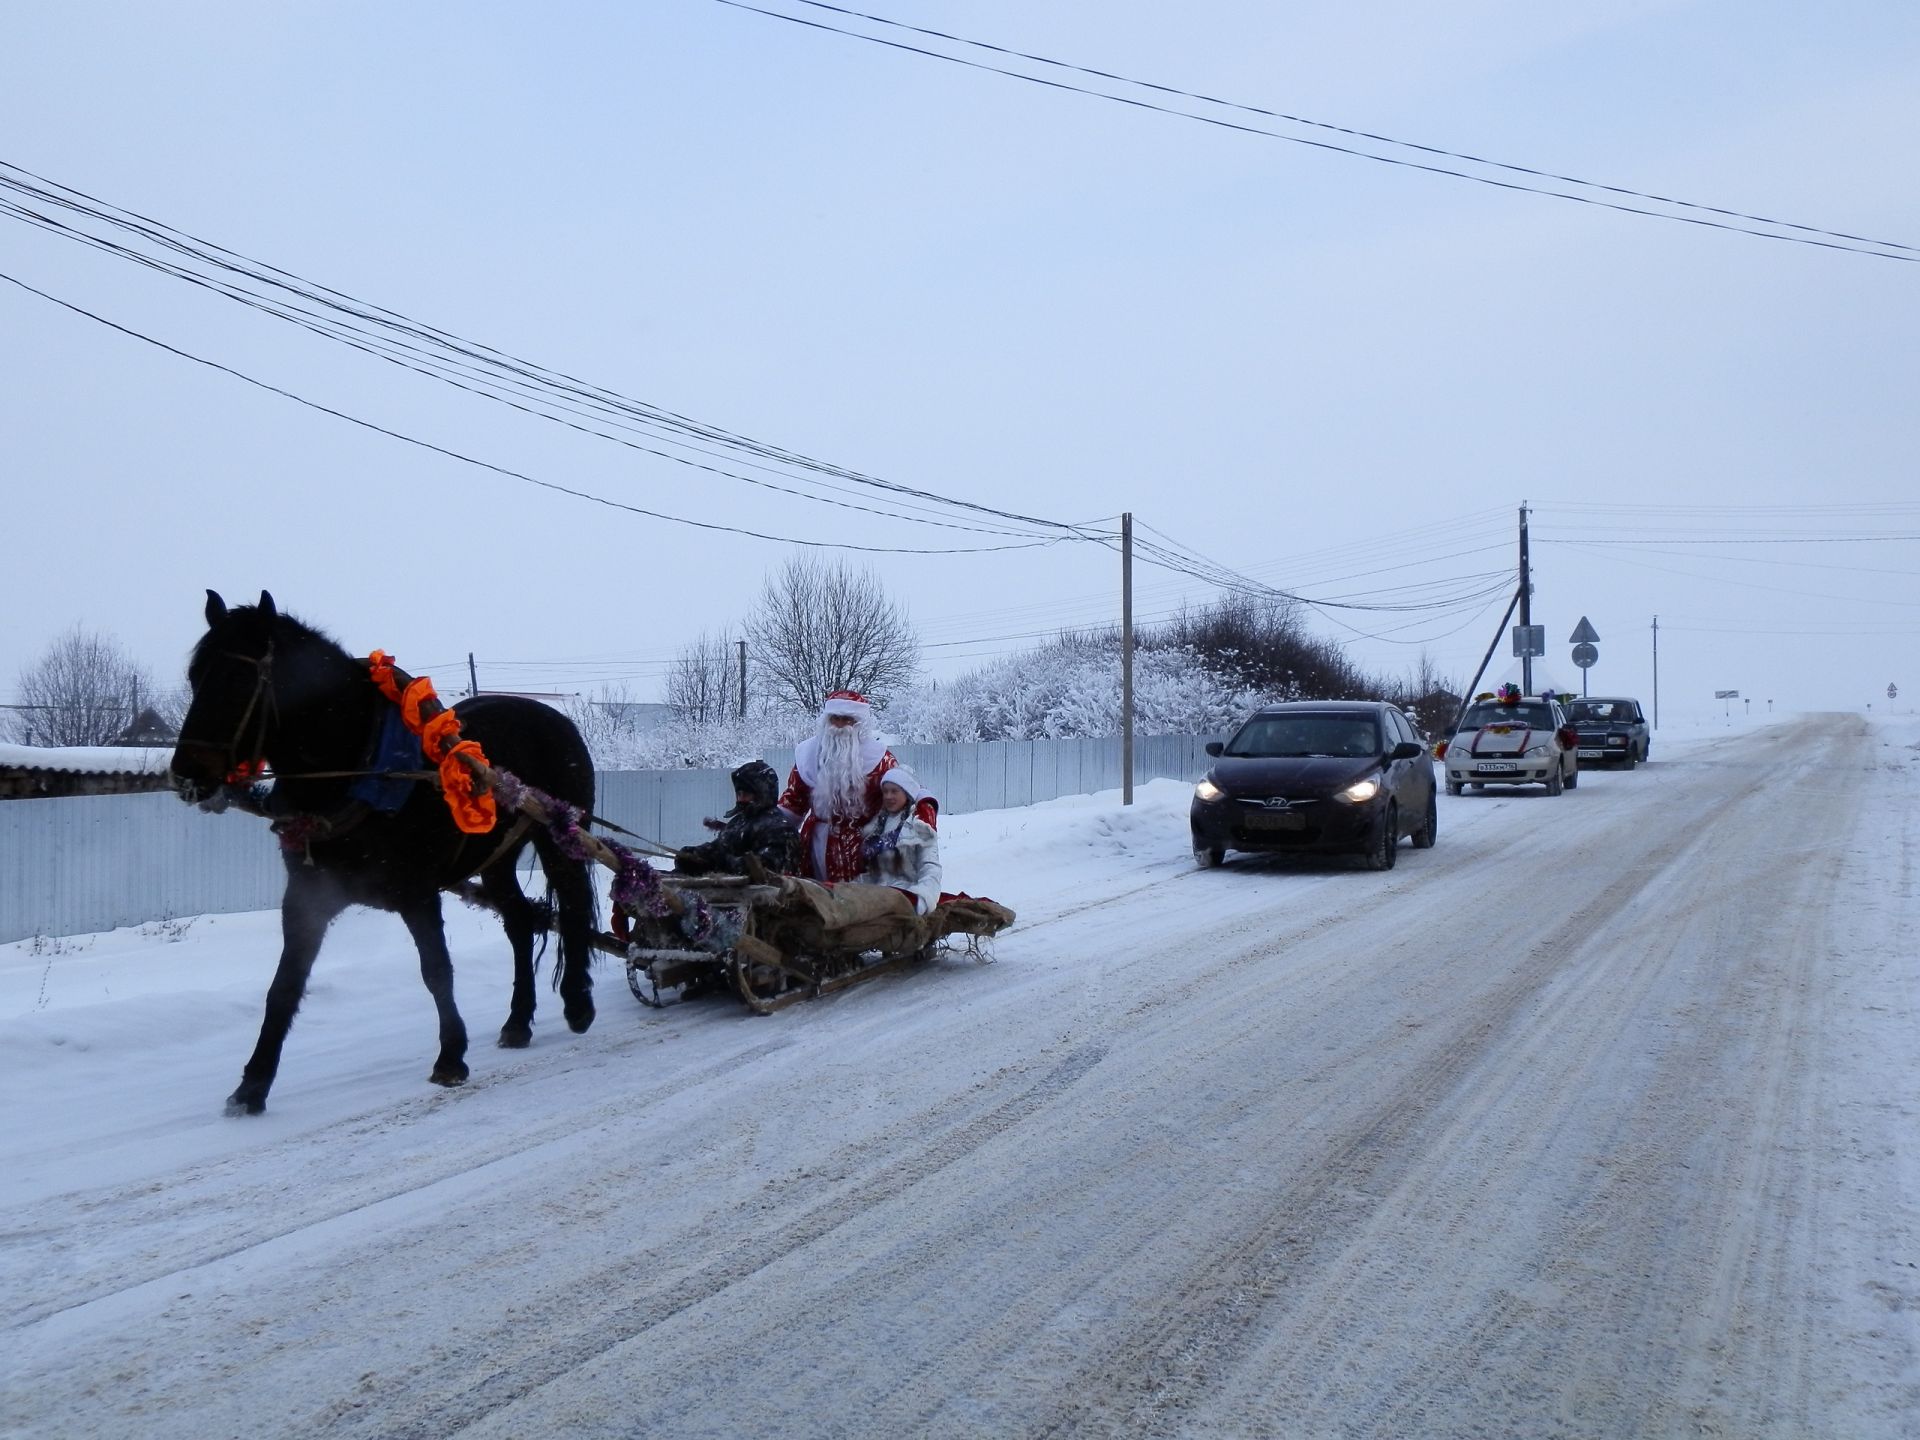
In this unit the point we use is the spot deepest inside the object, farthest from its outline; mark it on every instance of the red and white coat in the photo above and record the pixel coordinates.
(834, 846)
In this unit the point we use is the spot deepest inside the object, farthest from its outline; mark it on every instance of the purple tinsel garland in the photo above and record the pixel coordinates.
(636, 885)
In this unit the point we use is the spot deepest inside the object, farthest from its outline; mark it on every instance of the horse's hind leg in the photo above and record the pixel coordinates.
(572, 882)
(306, 910)
(422, 917)
(518, 917)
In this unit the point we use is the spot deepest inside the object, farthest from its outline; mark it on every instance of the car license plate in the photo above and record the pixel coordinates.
(1495, 767)
(1592, 754)
(1276, 820)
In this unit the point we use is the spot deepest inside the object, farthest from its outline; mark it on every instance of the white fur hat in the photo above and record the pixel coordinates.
(907, 781)
(848, 702)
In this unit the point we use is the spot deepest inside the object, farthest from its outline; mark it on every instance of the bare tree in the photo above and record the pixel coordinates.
(84, 690)
(704, 684)
(821, 625)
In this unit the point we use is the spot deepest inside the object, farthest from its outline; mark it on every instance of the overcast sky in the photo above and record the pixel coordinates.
(1305, 366)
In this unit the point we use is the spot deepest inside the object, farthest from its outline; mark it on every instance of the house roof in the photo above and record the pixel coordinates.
(87, 759)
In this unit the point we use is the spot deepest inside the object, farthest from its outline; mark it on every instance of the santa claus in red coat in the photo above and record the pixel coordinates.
(834, 788)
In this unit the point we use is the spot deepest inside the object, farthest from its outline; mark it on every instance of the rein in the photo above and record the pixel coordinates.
(239, 770)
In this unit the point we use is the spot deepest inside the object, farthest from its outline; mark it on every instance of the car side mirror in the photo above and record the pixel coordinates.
(1406, 750)
(1214, 747)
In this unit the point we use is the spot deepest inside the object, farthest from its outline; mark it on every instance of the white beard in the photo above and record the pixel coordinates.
(840, 786)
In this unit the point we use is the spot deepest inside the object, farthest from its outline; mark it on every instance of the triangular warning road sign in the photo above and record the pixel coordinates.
(1584, 633)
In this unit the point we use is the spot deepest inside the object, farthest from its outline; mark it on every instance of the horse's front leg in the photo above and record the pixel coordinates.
(422, 917)
(306, 910)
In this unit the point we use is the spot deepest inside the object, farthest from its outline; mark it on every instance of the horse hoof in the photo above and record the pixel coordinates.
(580, 1016)
(242, 1103)
(449, 1075)
(515, 1037)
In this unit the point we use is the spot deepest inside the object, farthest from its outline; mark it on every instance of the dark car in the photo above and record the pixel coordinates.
(1317, 776)
(1611, 728)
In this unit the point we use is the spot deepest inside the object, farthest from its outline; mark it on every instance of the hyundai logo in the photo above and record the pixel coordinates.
(1278, 802)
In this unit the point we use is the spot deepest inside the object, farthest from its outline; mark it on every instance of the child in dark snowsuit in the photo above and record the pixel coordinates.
(756, 826)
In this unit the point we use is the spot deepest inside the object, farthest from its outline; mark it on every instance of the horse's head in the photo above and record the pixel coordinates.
(231, 717)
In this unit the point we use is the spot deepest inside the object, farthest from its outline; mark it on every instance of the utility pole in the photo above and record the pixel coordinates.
(1126, 658)
(743, 678)
(473, 676)
(1656, 672)
(1526, 603)
(1485, 660)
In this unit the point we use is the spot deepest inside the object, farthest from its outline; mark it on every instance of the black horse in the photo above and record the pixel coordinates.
(267, 687)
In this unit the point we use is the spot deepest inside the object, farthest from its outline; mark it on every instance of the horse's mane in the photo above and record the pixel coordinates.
(287, 632)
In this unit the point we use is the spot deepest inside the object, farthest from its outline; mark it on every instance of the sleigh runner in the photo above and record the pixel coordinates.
(776, 940)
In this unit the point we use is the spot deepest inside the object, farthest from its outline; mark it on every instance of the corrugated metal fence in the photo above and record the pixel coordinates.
(78, 865)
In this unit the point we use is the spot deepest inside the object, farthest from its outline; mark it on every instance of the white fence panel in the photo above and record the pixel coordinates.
(78, 865)
(75, 865)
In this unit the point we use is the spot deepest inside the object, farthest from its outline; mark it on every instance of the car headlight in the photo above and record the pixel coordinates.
(1361, 791)
(1207, 790)
(1538, 752)
(1616, 739)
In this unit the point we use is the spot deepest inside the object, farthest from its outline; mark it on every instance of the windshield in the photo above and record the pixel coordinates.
(1530, 713)
(1273, 736)
(1600, 710)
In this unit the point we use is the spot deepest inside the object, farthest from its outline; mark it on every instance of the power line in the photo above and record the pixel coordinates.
(421, 364)
(1841, 240)
(432, 351)
(1359, 134)
(1746, 540)
(1744, 584)
(504, 470)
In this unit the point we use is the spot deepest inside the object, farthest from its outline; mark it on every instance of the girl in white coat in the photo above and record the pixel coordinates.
(901, 850)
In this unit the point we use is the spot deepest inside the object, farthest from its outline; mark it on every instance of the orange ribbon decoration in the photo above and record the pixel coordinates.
(380, 669)
(417, 695)
(474, 811)
(439, 735)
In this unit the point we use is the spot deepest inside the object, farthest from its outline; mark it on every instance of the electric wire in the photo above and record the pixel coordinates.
(1893, 250)
(472, 353)
(504, 470)
(1357, 134)
(425, 364)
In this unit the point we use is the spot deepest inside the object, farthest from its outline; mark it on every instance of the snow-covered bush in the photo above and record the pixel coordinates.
(1197, 675)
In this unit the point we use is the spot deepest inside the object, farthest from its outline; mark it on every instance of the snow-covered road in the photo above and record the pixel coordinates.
(1594, 1120)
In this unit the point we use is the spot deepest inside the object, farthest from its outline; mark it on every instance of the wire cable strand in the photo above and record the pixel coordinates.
(1894, 251)
(474, 353)
(1357, 134)
(502, 469)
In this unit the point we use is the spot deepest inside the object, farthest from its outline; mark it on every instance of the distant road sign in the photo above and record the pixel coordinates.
(1584, 633)
(1584, 655)
(1726, 694)
(1893, 691)
(1529, 641)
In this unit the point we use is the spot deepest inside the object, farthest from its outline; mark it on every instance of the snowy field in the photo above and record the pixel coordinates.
(1597, 1119)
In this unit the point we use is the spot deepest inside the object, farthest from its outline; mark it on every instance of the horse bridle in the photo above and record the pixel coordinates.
(238, 771)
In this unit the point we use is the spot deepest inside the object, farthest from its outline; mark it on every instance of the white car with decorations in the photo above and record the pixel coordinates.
(1515, 741)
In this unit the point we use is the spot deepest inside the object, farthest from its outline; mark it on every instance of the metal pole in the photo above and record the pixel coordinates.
(473, 676)
(1656, 672)
(743, 678)
(1126, 658)
(1526, 605)
(1485, 660)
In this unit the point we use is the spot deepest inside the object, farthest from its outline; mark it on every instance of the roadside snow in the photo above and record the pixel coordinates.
(1594, 1119)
